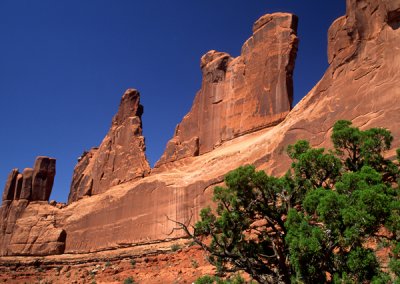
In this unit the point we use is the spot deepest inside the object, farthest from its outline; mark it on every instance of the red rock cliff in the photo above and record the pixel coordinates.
(362, 85)
(243, 94)
(120, 157)
(27, 225)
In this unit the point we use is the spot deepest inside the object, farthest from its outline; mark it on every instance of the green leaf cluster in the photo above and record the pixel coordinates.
(314, 224)
(207, 279)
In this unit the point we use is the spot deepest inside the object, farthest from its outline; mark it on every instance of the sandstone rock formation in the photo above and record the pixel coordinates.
(120, 157)
(43, 178)
(26, 188)
(9, 189)
(33, 184)
(361, 85)
(27, 225)
(243, 94)
(136, 212)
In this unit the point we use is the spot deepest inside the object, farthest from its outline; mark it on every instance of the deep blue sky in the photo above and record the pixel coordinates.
(65, 64)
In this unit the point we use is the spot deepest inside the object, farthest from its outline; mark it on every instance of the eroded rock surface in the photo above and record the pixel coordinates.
(119, 158)
(362, 85)
(32, 184)
(243, 94)
(30, 228)
(9, 189)
(43, 178)
(27, 224)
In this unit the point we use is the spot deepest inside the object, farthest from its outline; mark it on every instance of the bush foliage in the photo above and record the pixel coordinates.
(315, 224)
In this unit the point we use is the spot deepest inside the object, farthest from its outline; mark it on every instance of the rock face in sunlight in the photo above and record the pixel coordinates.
(361, 85)
(33, 184)
(120, 157)
(240, 116)
(240, 95)
(30, 230)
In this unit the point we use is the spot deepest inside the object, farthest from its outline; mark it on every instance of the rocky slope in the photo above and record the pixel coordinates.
(156, 265)
(362, 85)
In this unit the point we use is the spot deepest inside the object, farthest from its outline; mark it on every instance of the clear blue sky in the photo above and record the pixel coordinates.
(65, 64)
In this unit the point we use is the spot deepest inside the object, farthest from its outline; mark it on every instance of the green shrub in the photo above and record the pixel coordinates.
(317, 217)
(133, 262)
(129, 280)
(206, 279)
(175, 247)
(234, 279)
(194, 263)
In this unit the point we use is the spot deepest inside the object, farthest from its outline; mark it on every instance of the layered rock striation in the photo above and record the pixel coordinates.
(27, 224)
(120, 156)
(240, 95)
(360, 85)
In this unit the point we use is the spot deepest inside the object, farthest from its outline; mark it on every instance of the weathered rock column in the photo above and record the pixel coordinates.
(27, 225)
(120, 157)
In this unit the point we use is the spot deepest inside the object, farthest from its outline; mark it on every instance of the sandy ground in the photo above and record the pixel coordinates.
(164, 265)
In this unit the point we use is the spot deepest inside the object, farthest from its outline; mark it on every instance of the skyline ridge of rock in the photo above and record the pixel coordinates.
(240, 95)
(21, 191)
(120, 156)
(33, 184)
(360, 85)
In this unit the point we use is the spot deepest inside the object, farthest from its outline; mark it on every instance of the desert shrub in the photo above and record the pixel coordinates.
(194, 263)
(132, 262)
(129, 280)
(313, 222)
(175, 247)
